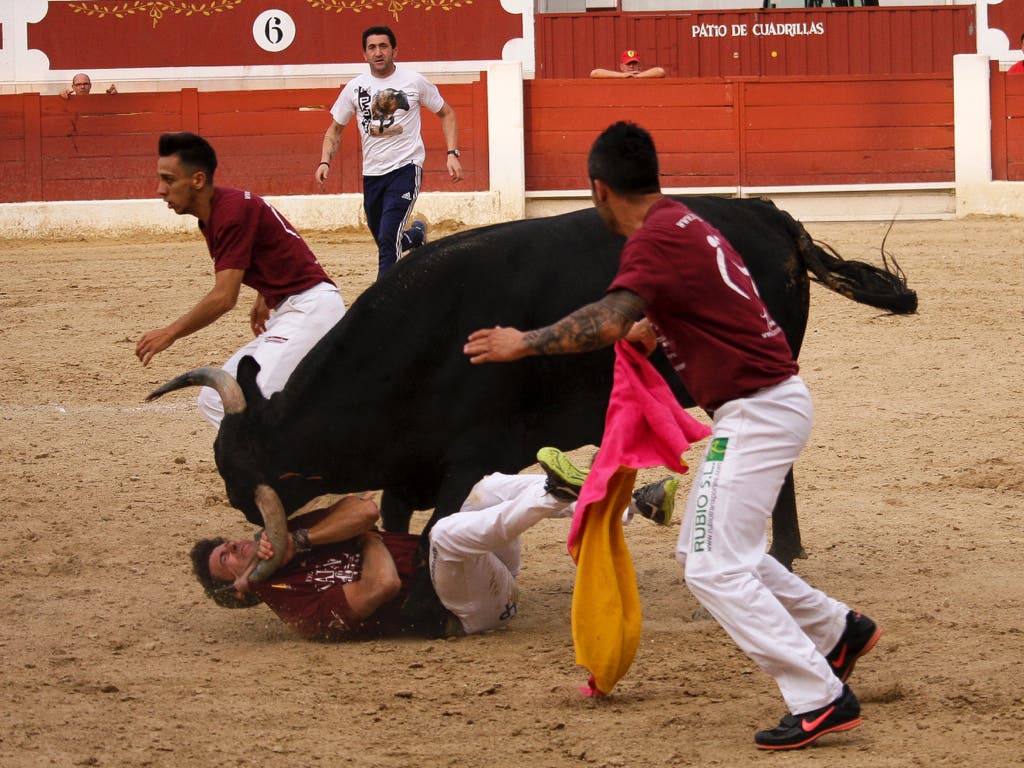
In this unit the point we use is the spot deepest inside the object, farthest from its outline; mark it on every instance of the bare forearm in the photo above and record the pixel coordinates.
(332, 139)
(449, 127)
(378, 582)
(591, 327)
(210, 308)
(348, 518)
(378, 565)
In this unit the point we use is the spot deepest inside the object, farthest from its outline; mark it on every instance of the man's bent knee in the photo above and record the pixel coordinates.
(210, 406)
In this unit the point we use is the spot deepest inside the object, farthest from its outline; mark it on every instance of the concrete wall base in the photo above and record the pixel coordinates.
(92, 219)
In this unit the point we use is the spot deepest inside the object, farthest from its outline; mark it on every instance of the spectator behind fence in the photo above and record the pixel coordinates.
(81, 85)
(1018, 67)
(630, 67)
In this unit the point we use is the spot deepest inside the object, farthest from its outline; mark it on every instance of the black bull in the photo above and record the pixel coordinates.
(388, 400)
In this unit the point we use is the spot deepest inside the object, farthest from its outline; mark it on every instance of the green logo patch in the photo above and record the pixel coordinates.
(716, 451)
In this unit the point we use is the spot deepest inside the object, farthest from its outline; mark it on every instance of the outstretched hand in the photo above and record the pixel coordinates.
(496, 345)
(153, 342)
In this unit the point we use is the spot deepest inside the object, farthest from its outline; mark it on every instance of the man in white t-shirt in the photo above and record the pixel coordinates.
(386, 103)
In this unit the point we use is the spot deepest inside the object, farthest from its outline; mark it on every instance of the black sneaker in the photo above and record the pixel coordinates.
(420, 227)
(565, 479)
(860, 636)
(657, 501)
(796, 731)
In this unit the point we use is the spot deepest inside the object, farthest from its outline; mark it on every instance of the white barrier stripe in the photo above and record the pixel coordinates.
(21, 410)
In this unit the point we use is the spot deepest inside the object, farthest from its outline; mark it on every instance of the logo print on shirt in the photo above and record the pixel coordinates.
(378, 112)
(724, 265)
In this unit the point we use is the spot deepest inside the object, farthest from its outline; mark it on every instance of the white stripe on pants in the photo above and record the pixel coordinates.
(293, 328)
(475, 553)
(775, 617)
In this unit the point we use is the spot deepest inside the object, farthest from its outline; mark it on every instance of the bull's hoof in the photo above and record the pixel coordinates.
(787, 558)
(700, 614)
(422, 611)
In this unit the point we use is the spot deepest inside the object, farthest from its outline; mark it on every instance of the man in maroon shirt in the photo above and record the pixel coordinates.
(252, 244)
(680, 273)
(341, 578)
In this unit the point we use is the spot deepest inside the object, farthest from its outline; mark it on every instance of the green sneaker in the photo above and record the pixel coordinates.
(657, 501)
(565, 479)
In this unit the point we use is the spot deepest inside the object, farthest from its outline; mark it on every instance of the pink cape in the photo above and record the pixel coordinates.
(645, 427)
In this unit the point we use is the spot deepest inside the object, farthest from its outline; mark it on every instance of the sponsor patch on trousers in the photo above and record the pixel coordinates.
(716, 450)
(706, 489)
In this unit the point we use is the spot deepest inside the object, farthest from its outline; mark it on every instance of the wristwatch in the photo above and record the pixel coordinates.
(454, 152)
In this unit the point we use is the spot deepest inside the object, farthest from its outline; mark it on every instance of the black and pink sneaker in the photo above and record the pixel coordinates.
(796, 731)
(860, 636)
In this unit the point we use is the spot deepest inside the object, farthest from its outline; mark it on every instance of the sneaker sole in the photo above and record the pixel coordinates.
(797, 745)
(671, 488)
(863, 651)
(554, 462)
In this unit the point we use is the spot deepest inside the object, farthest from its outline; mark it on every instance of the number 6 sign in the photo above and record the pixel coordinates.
(273, 30)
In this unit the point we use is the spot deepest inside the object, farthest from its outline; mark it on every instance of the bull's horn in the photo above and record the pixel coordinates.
(276, 527)
(222, 381)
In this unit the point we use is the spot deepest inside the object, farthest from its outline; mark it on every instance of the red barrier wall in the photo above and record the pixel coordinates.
(1007, 126)
(118, 34)
(806, 42)
(101, 147)
(750, 132)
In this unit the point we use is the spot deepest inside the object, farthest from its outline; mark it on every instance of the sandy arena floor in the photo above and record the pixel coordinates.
(910, 494)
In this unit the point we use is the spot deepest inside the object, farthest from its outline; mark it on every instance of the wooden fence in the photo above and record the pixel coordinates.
(750, 132)
(1007, 126)
(761, 43)
(710, 132)
(101, 147)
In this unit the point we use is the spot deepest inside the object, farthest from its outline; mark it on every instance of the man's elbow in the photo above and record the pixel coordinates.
(366, 512)
(224, 303)
(389, 588)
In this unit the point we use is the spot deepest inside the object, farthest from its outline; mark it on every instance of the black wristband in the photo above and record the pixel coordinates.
(324, 162)
(300, 536)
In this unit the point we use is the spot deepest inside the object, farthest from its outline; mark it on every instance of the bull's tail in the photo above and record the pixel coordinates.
(884, 287)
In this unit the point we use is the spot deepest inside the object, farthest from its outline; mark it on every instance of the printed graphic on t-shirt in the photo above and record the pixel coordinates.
(378, 112)
(336, 570)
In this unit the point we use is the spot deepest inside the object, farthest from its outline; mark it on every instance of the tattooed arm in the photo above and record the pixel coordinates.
(591, 327)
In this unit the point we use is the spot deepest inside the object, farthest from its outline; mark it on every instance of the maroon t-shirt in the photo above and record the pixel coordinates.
(707, 313)
(245, 232)
(307, 593)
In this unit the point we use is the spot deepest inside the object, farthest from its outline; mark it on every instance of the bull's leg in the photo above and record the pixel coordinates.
(394, 513)
(422, 609)
(786, 546)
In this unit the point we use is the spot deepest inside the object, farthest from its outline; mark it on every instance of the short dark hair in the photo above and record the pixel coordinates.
(624, 158)
(193, 150)
(379, 31)
(220, 591)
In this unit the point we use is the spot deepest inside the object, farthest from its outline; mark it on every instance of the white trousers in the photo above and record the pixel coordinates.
(475, 554)
(775, 617)
(293, 328)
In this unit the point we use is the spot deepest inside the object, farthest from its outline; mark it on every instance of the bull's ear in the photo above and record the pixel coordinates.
(247, 370)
